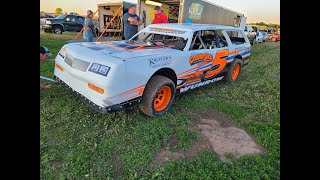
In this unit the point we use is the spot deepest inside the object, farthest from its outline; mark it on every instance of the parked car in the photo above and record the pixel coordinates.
(273, 37)
(250, 33)
(259, 37)
(278, 35)
(171, 59)
(62, 23)
(264, 35)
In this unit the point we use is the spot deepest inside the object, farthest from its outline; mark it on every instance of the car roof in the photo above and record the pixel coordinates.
(193, 27)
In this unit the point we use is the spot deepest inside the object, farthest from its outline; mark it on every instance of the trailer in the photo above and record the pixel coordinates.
(196, 11)
(106, 12)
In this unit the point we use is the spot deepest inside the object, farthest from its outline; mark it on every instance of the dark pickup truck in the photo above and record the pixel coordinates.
(62, 23)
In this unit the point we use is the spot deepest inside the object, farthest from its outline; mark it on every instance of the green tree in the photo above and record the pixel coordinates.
(58, 11)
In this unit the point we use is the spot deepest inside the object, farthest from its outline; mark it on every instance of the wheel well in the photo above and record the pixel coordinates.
(239, 57)
(167, 72)
(57, 25)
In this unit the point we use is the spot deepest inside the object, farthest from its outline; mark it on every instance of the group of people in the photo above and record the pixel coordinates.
(131, 22)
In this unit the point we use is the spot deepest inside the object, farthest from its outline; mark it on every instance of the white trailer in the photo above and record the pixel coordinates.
(198, 11)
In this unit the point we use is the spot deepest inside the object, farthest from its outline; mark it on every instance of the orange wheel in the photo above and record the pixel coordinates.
(235, 72)
(163, 98)
(158, 96)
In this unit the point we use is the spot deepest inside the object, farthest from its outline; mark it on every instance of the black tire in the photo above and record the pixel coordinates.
(151, 92)
(229, 78)
(57, 30)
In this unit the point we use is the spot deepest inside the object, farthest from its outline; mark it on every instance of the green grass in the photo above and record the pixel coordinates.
(77, 143)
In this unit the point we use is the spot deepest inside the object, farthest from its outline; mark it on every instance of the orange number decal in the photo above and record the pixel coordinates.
(219, 60)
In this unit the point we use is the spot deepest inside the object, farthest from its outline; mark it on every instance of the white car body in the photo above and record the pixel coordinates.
(132, 65)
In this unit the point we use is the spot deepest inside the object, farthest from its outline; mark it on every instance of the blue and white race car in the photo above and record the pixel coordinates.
(168, 59)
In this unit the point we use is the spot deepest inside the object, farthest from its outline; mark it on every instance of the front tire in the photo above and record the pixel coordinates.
(57, 30)
(158, 96)
(234, 71)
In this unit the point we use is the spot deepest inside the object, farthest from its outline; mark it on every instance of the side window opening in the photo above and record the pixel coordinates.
(222, 39)
(208, 39)
(213, 39)
(236, 37)
(80, 20)
(197, 42)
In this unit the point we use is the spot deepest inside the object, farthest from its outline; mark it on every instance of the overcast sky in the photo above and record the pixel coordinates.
(255, 10)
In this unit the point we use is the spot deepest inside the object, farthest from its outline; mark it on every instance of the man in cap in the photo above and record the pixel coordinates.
(88, 27)
(44, 54)
(131, 22)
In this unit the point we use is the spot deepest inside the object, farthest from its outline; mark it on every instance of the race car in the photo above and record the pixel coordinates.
(166, 60)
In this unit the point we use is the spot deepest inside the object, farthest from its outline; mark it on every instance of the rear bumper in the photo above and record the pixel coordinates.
(97, 108)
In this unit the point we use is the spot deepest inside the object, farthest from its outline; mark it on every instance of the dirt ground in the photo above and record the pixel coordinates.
(224, 136)
(220, 134)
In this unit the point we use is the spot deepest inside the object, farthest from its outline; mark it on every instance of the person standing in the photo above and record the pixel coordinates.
(159, 16)
(44, 54)
(88, 27)
(131, 22)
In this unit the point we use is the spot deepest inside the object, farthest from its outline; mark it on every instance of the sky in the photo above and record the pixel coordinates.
(254, 10)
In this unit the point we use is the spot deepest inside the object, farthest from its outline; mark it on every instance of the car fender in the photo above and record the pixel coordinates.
(55, 24)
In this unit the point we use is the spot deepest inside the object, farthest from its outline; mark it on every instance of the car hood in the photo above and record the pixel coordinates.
(127, 50)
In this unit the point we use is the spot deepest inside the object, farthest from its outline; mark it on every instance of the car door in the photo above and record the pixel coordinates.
(79, 24)
(69, 23)
(202, 63)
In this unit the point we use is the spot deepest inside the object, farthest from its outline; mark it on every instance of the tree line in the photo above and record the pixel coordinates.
(268, 25)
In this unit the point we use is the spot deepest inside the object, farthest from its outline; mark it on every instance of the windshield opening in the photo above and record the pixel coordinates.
(173, 42)
(61, 16)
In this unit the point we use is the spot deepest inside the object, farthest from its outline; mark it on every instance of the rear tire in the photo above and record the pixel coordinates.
(234, 71)
(158, 96)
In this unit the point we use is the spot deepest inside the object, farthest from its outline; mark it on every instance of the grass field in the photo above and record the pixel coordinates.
(77, 143)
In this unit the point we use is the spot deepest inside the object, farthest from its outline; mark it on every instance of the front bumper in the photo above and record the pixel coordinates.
(103, 110)
(46, 26)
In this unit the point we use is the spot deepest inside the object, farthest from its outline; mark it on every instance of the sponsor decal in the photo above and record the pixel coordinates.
(196, 58)
(165, 30)
(159, 61)
(195, 10)
(195, 85)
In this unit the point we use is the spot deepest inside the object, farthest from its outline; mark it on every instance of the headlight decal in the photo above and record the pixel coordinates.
(99, 69)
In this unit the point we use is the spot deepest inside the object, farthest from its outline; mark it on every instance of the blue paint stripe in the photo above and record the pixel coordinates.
(230, 57)
(245, 53)
(208, 65)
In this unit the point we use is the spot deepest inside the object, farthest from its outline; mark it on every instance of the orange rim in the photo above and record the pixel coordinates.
(235, 72)
(163, 98)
